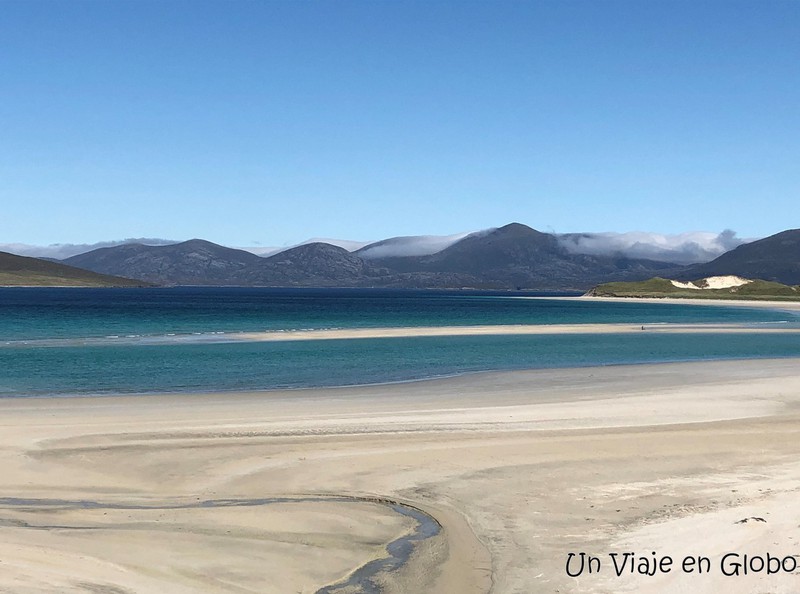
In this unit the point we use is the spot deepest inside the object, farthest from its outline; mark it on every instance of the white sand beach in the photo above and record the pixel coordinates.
(760, 303)
(506, 330)
(288, 491)
(545, 329)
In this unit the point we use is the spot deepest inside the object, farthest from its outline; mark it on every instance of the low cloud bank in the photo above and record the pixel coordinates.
(266, 252)
(59, 251)
(419, 245)
(345, 244)
(683, 248)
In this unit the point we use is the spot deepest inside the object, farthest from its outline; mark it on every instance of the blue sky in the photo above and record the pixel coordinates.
(251, 123)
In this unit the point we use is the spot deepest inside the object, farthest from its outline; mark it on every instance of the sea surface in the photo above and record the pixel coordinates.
(107, 341)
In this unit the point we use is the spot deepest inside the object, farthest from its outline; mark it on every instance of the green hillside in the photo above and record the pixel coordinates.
(661, 287)
(21, 271)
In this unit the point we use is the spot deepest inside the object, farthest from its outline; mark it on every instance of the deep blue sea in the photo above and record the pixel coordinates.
(106, 341)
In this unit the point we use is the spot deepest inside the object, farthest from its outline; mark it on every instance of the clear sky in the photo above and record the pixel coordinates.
(251, 123)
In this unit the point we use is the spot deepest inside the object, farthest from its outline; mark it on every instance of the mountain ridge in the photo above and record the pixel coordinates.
(514, 256)
(195, 261)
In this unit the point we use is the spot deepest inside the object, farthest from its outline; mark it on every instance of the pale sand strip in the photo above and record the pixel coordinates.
(781, 305)
(545, 329)
(520, 468)
(477, 330)
(509, 329)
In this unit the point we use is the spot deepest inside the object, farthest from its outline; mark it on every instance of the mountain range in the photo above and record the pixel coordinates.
(511, 257)
(194, 262)
(514, 256)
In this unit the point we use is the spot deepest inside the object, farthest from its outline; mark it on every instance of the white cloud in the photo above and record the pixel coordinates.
(60, 251)
(346, 244)
(682, 248)
(261, 251)
(419, 245)
(265, 252)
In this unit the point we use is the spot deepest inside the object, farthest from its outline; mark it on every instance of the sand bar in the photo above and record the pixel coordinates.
(475, 330)
(759, 303)
(513, 329)
(162, 493)
(549, 329)
(415, 332)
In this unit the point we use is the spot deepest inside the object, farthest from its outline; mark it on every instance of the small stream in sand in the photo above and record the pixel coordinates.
(361, 581)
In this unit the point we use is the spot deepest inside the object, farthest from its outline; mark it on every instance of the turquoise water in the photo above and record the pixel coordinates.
(33, 314)
(40, 330)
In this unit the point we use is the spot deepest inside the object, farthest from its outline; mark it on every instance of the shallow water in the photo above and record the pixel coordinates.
(187, 355)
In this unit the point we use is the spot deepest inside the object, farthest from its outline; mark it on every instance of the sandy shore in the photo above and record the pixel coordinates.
(509, 329)
(633, 326)
(292, 491)
(544, 329)
(782, 305)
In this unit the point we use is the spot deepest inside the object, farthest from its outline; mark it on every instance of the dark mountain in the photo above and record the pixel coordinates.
(513, 248)
(517, 256)
(312, 264)
(24, 271)
(774, 258)
(514, 256)
(193, 262)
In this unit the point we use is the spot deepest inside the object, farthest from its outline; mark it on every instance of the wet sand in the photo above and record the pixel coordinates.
(295, 491)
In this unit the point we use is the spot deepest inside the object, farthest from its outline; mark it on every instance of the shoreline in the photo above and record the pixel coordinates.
(519, 468)
(291, 335)
(300, 390)
(552, 386)
(779, 305)
(514, 329)
(774, 327)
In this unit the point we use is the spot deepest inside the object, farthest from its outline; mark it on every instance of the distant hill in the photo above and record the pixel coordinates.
(705, 288)
(514, 256)
(517, 256)
(193, 262)
(24, 271)
(311, 264)
(511, 257)
(774, 258)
